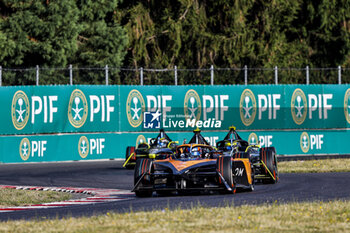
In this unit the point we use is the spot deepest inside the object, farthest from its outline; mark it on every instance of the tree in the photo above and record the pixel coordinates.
(197, 34)
(256, 33)
(324, 26)
(53, 34)
(37, 33)
(102, 41)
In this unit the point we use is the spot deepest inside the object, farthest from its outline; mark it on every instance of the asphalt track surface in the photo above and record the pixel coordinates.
(111, 174)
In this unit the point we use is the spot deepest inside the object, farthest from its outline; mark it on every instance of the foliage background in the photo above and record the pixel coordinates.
(189, 34)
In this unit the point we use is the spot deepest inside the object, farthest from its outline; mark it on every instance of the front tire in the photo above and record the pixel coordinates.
(143, 170)
(224, 167)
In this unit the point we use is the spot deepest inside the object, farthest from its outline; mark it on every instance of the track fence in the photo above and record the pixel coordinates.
(172, 76)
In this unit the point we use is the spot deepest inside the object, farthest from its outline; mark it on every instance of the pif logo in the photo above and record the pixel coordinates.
(253, 139)
(34, 148)
(24, 149)
(20, 109)
(83, 147)
(140, 139)
(135, 106)
(347, 105)
(298, 106)
(247, 107)
(77, 109)
(192, 105)
(92, 146)
(305, 142)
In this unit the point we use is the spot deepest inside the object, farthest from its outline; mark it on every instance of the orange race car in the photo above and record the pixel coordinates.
(194, 166)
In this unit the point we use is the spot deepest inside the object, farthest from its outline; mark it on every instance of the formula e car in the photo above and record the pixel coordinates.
(160, 147)
(195, 166)
(264, 159)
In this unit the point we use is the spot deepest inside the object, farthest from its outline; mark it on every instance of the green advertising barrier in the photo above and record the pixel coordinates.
(77, 109)
(47, 123)
(59, 109)
(247, 107)
(44, 148)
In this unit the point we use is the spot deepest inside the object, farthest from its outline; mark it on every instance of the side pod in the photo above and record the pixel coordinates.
(243, 172)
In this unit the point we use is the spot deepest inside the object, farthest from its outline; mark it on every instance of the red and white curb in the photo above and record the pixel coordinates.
(97, 196)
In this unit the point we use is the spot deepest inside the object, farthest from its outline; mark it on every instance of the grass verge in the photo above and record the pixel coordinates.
(322, 165)
(13, 197)
(331, 216)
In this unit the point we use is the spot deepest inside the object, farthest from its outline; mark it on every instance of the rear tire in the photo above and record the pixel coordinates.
(268, 156)
(129, 151)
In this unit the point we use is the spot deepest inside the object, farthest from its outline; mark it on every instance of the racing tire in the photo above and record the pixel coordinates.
(224, 167)
(129, 151)
(268, 156)
(144, 167)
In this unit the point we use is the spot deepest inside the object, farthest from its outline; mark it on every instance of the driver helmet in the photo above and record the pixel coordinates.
(228, 146)
(163, 142)
(196, 152)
